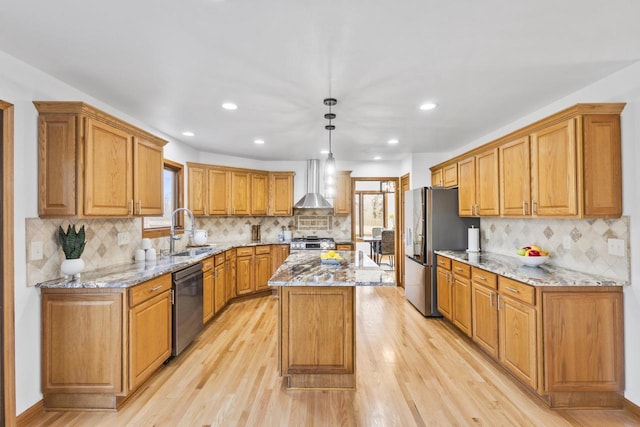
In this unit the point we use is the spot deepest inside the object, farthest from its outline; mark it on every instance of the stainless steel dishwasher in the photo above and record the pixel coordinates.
(187, 307)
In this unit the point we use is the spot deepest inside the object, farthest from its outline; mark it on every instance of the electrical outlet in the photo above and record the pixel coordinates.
(35, 252)
(616, 247)
(567, 242)
(123, 239)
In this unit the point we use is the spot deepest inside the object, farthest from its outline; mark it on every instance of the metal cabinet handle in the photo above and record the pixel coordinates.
(533, 207)
(524, 207)
(514, 290)
(131, 207)
(498, 302)
(490, 299)
(481, 278)
(155, 288)
(139, 207)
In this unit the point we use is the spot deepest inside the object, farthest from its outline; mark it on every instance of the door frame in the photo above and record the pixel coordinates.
(405, 181)
(353, 215)
(8, 330)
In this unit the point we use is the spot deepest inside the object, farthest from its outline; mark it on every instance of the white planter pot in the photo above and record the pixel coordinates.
(72, 267)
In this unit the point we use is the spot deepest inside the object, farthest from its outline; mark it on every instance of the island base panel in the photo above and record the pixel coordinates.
(321, 381)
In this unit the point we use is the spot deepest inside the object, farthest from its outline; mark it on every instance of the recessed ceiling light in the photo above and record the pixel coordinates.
(393, 141)
(229, 106)
(324, 152)
(377, 158)
(188, 133)
(258, 141)
(428, 106)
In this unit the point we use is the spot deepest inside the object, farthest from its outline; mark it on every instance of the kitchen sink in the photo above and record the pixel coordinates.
(191, 252)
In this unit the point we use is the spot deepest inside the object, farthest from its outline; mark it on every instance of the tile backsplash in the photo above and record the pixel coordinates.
(102, 249)
(573, 244)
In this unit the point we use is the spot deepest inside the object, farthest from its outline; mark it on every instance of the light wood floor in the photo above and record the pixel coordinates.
(411, 371)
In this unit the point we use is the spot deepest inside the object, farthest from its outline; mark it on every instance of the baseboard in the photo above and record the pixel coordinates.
(30, 414)
(632, 407)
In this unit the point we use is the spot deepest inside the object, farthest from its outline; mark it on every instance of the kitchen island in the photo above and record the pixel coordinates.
(316, 325)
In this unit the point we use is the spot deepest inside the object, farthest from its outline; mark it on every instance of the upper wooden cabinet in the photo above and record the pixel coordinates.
(259, 193)
(567, 165)
(92, 164)
(281, 193)
(342, 202)
(221, 190)
(478, 185)
(446, 176)
(567, 169)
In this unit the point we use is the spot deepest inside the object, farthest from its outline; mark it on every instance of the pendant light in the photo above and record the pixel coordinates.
(330, 163)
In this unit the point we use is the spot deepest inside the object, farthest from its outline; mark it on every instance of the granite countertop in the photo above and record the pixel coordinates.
(133, 273)
(304, 268)
(544, 275)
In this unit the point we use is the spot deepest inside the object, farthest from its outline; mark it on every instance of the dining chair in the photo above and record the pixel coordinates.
(387, 246)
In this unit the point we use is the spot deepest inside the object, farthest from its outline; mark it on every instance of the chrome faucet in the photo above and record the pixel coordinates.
(172, 231)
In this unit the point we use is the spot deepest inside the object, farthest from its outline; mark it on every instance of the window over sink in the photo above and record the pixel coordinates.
(173, 185)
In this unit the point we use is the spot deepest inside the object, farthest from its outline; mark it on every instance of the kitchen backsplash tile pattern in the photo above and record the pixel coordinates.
(575, 244)
(102, 247)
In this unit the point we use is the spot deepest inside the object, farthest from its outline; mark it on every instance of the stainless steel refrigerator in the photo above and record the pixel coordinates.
(432, 223)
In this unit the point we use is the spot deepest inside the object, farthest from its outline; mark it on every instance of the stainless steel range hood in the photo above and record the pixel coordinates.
(313, 199)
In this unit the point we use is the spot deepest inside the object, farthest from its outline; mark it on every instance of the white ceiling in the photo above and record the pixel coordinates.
(171, 64)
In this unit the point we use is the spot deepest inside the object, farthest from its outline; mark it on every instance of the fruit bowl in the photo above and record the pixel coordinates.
(533, 261)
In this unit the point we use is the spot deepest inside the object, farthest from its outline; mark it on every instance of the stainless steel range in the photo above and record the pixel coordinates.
(313, 243)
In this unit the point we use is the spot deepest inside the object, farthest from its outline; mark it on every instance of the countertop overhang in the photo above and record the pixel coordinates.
(305, 268)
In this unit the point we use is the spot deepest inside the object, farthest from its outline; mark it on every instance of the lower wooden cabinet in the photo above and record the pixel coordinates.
(207, 289)
(100, 344)
(444, 281)
(461, 297)
(230, 282)
(262, 267)
(219, 283)
(253, 269)
(564, 342)
(279, 254)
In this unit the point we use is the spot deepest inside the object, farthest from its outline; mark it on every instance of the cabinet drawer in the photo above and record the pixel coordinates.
(443, 262)
(484, 278)
(230, 254)
(518, 290)
(461, 269)
(207, 264)
(244, 251)
(265, 249)
(147, 290)
(219, 259)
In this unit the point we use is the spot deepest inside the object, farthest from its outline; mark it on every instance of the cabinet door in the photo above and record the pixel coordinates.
(450, 175)
(230, 281)
(278, 254)
(436, 178)
(487, 184)
(484, 318)
(240, 189)
(444, 292)
(281, 194)
(197, 190)
(57, 165)
(467, 187)
(602, 166)
(342, 202)
(219, 187)
(148, 170)
(461, 312)
(244, 275)
(554, 170)
(219, 278)
(515, 178)
(207, 290)
(149, 337)
(108, 169)
(91, 325)
(518, 339)
(262, 271)
(259, 194)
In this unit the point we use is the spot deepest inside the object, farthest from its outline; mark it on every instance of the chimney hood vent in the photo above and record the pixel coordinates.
(313, 199)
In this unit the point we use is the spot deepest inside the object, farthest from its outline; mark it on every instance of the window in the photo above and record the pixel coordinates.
(158, 226)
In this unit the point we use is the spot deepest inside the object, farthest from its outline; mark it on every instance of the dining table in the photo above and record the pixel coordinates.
(374, 246)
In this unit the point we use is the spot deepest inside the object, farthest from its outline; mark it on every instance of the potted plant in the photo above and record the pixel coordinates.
(72, 243)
